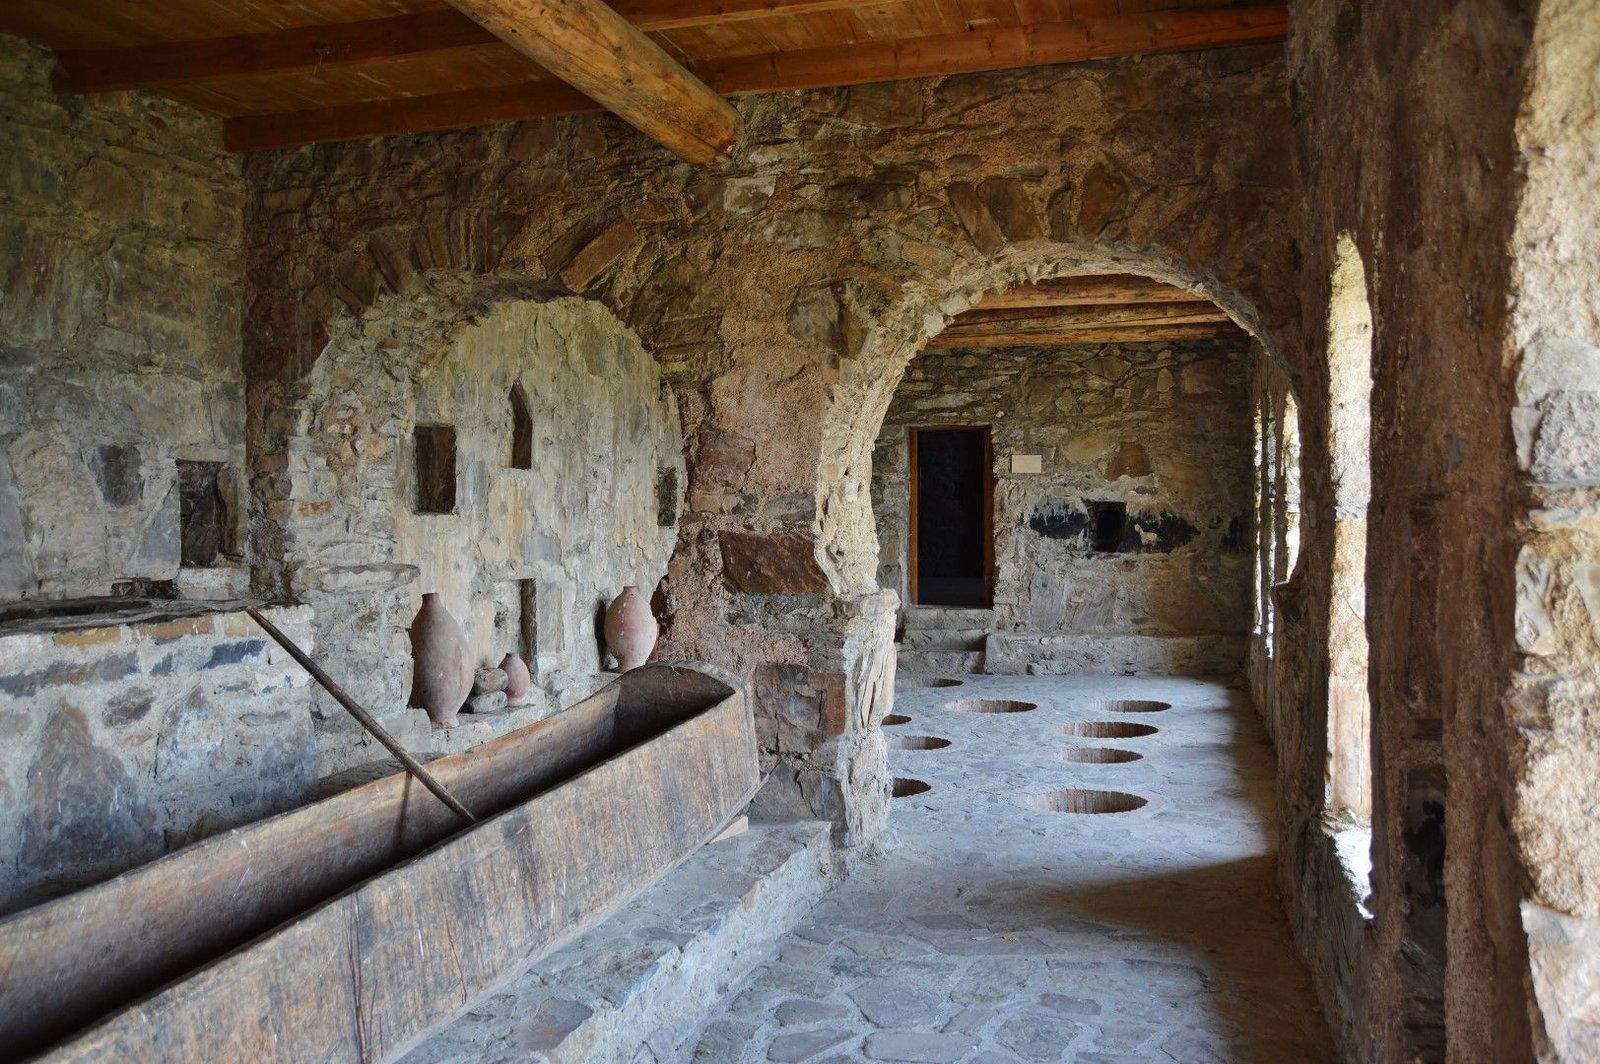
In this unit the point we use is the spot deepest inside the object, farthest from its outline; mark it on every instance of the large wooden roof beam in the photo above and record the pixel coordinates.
(608, 59)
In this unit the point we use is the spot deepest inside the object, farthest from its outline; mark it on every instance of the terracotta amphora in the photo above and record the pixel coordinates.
(631, 629)
(441, 671)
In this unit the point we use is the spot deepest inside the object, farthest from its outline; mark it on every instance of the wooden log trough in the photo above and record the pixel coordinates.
(348, 929)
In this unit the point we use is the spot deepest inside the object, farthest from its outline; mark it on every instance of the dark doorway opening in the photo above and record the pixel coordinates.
(952, 501)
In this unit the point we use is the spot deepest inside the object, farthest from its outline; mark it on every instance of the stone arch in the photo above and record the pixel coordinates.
(868, 378)
(333, 484)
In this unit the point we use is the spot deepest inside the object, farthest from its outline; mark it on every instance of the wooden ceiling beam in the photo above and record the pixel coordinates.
(993, 48)
(1093, 290)
(611, 61)
(306, 48)
(280, 51)
(1000, 48)
(1129, 334)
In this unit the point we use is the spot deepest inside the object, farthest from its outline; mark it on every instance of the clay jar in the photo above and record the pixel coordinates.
(519, 681)
(441, 671)
(631, 629)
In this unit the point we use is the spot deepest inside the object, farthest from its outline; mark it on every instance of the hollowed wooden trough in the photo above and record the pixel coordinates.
(347, 929)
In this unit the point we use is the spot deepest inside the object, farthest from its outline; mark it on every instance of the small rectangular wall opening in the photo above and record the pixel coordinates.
(205, 514)
(1108, 524)
(436, 469)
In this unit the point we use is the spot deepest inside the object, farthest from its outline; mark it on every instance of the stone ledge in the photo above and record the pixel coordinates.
(647, 975)
(1038, 654)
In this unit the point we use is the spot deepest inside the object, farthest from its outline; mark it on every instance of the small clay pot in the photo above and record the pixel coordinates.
(631, 629)
(519, 681)
(441, 671)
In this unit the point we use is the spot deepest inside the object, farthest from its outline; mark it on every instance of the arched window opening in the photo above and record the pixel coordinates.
(1348, 792)
(1277, 424)
(521, 429)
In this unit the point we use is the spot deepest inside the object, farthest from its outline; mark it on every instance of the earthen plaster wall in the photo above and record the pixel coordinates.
(121, 300)
(1162, 429)
(782, 296)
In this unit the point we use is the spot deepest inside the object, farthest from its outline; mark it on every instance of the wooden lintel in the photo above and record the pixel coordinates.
(1132, 334)
(611, 61)
(992, 49)
(304, 48)
(1092, 290)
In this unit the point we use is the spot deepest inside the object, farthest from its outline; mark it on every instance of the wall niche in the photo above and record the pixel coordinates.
(435, 448)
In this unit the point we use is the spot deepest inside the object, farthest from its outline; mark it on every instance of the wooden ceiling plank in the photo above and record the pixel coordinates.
(660, 15)
(608, 59)
(1112, 335)
(996, 49)
(315, 47)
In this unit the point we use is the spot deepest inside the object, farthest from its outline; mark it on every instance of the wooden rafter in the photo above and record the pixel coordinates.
(993, 48)
(612, 62)
(306, 48)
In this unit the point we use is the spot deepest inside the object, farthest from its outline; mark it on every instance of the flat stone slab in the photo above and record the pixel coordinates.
(650, 972)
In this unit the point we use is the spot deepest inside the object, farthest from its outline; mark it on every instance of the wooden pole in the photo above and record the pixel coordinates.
(365, 719)
(607, 58)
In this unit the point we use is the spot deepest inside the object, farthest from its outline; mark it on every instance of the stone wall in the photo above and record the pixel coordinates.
(1164, 430)
(1551, 725)
(121, 298)
(783, 294)
(1431, 101)
(125, 741)
(526, 559)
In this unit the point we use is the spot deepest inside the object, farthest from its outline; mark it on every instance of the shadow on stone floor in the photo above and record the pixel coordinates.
(1226, 919)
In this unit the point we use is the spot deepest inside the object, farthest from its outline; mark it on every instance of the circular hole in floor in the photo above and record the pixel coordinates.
(1097, 755)
(920, 742)
(990, 705)
(1110, 729)
(1131, 705)
(1079, 800)
(926, 681)
(895, 718)
(905, 787)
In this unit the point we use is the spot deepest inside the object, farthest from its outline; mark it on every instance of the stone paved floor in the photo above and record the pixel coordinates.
(999, 933)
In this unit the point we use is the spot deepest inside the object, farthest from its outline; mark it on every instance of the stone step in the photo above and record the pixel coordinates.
(941, 662)
(920, 617)
(651, 971)
(944, 638)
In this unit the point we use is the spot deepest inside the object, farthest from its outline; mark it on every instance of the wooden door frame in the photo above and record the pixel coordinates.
(914, 561)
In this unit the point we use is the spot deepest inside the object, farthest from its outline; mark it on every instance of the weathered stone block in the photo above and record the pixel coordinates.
(769, 565)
